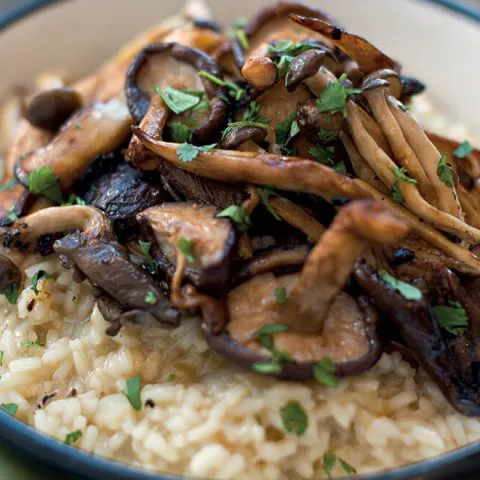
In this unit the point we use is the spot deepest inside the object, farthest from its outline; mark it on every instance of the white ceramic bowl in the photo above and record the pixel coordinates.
(434, 44)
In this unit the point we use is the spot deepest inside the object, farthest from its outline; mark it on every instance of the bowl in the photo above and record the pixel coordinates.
(433, 42)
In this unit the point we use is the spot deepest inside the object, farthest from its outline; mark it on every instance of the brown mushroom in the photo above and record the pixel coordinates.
(49, 109)
(10, 275)
(319, 127)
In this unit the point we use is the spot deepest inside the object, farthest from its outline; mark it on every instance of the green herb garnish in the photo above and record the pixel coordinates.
(186, 247)
(145, 248)
(10, 408)
(11, 292)
(463, 150)
(400, 176)
(265, 193)
(280, 295)
(403, 107)
(294, 418)
(178, 101)
(29, 343)
(72, 437)
(335, 96)
(12, 214)
(258, 419)
(1, 358)
(327, 136)
(265, 333)
(270, 366)
(286, 131)
(74, 199)
(238, 215)
(409, 292)
(234, 90)
(151, 298)
(187, 152)
(452, 317)
(445, 171)
(38, 276)
(324, 155)
(180, 133)
(171, 378)
(132, 392)
(44, 182)
(324, 373)
(329, 462)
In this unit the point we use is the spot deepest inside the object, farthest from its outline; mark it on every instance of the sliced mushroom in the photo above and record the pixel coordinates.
(49, 109)
(96, 130)
(238, 136)
(212, 240)
(312, 123)
(182, 64)
(368, 57)
(320, 319)
(95, 252)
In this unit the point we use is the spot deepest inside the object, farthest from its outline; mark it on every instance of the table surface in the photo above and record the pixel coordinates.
(13, 465)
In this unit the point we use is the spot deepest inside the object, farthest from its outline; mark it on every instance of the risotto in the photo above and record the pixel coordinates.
(172, 400)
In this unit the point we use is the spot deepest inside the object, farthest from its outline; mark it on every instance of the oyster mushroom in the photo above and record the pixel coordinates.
(96, 253)
(320, 320)
(212, 240)
(173, 65)
(49, 109)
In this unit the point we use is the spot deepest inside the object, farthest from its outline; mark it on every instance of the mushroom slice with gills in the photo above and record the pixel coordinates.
(95, 130)
(319, 319)
(211, 240)
(368, 57)
(440, 329)
(173, 66)
(96, 253)
(49, 109)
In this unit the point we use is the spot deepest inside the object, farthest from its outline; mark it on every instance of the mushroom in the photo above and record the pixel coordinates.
(96, 253)
(312, 123)
(175, 66)
(49, 109)
(211, 239)
(320, 320)
(10, 275)
(237, 136)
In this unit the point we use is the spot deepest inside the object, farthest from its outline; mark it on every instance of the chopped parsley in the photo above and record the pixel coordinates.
(44, 182)
(452, 317)
(294, 418)
(273, 364)
(258, 419)
(238, 31)
(324, 155)
(286, 131)
(327, 136)
(234, 90)
(11, 292)
(265, 333)
(252, 113)
(9, 185)
(265, 193)
(12, 214)
(324, 373)
(1, 358)
(151, 298)
(38, 276)
(280, 295)
(10, 408)
(145, 249)
(171, 378)
(463, 150)
(400, 176)
(74, 199)
(238, 216)
(29, 343)
(409, 292)
(335, 96)
(445, 171)
(132, 392)
(180, 133)
(72, 437)
(269, 366)
(403, 107)
(329, 462)
(187, 152)
(178, 101)
(186, 247)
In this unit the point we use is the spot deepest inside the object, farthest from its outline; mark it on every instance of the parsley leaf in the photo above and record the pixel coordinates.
(10, 408)
(287, 130)
(445, 171)
(347, 467)
(294, 418)
(258, 419)
(401, 176)
(238, 31)
(264, 334)
(324, 155)
(281, 295)
(44, 182)
(145, 249)
(329, 462)
(12, 216)
(238, 215)
(335, 96)
(463, 150)
(74, 199)
(403, 107)
(132, 392)
(265, 193)
(11, 292)
(188, 152)
(327, 136)
(180, 133)
(151, 298)
(29, 343)
(178, 101)
(288, 47)
(186, 247)
(269, 366)
(324, 373)
(1, 358)
(234, 90)
(252, 112)
(38, 276)
(9, 185)
(72, 437)
(409, 292)
(452, 318)
(397, 195)
(171, 378)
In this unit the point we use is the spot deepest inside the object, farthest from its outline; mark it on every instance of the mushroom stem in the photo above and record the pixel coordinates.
(331, 262)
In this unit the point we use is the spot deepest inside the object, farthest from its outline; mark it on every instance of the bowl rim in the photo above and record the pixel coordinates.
(53, 451)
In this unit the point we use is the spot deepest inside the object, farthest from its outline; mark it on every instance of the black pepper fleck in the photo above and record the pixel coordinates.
(337, 34)
(150, 403)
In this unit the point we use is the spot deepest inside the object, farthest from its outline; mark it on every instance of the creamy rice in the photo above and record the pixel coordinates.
(205, 417)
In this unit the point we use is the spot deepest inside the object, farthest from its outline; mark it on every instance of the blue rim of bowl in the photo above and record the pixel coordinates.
(93, 466)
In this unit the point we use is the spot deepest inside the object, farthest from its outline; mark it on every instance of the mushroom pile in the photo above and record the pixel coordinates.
(268, 178)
